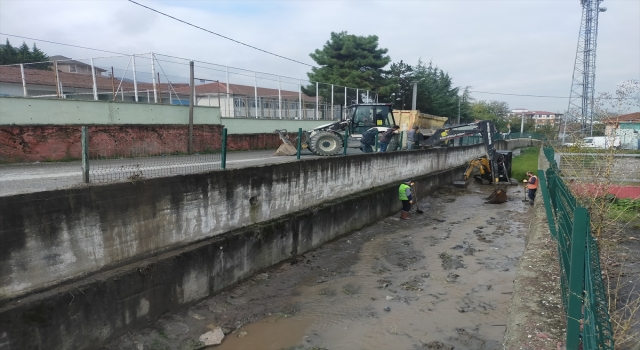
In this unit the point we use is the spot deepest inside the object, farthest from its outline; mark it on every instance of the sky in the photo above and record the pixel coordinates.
(508, 46)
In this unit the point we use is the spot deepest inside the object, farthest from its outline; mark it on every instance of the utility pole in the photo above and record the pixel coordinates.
(415, 95)
(458, 110)
(584, 71)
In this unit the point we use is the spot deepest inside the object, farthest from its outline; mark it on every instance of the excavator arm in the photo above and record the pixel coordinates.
(486, 129)
(478, 167)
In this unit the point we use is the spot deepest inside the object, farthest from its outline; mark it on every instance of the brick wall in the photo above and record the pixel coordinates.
(56, 143)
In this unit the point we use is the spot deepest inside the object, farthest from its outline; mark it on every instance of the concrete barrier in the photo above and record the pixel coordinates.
(50, 237)
(509, 145)
(132, 252)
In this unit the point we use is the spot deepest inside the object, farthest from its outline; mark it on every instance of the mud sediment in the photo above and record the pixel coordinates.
(427, 283)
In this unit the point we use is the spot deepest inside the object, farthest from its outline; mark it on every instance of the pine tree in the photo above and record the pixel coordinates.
(24, 54)
(436, 94)
(37, 55)
(352, 61)
(8, 54)
(402, 76)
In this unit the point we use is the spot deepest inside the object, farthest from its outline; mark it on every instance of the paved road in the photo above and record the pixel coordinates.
(34, 177)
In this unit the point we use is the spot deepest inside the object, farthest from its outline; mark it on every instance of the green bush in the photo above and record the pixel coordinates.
(625, 210)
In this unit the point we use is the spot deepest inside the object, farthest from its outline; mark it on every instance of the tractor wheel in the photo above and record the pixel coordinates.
(325, 144)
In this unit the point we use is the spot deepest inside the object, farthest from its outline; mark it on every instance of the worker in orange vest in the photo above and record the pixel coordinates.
(532, 186)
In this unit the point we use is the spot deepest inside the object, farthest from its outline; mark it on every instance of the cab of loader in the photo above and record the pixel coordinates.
(363, 117)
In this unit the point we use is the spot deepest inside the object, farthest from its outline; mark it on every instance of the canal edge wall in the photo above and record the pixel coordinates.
(536, 312)
(89, 312)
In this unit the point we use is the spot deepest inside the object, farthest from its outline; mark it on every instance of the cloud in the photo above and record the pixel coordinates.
(525, 47)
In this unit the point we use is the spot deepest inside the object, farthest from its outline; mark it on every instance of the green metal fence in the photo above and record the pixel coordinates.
(583, 294)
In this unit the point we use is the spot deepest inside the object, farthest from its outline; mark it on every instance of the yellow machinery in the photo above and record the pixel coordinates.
(479, 169)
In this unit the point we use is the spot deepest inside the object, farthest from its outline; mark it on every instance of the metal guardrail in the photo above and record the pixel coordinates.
(583, 293)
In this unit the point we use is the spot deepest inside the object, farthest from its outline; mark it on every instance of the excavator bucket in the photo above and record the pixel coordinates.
(287, 148)
(460, 184)
(498, 196)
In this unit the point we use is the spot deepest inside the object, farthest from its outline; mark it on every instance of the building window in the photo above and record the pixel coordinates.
(72, 69)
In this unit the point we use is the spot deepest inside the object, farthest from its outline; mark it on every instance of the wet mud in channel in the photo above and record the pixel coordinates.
(441, 280)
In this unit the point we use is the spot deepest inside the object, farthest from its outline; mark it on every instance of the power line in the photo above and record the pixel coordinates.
(220, 35)
(543, 96)
(523, 95)
(57, 43)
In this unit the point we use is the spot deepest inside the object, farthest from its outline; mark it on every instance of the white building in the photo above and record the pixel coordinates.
(540, 117)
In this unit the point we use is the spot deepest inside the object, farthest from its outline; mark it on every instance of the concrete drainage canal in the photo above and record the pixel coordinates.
(442, 280)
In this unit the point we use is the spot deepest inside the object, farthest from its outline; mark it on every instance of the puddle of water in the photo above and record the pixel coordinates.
(272, 333)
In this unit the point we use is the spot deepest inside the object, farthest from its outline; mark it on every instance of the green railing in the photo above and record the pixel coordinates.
(583, 293)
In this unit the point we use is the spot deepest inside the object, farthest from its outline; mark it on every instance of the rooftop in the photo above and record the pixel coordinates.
(625, 118)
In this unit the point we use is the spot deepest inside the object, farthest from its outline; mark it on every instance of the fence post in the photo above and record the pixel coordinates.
(223, 155)
(299, 146)
(279, 99)
(345, 103)
(317, 101)
(85, 154)
(55, 64)
(229, 103)
(346, 142)
(153, 76)
(576, 277)
(135, 81)
(95, 86)
(192, 93)
(300, 98)
(255, 91)
(24, 82)
(333, 111)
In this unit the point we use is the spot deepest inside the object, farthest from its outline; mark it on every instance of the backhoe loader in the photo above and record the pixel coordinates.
(329, 139)
(492, 168)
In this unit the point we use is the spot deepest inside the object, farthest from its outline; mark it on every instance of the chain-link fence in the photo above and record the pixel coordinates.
(583, 294)
(152, 152)
(161, 79)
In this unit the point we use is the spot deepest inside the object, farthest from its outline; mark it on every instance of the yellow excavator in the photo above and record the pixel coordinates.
(492, 168)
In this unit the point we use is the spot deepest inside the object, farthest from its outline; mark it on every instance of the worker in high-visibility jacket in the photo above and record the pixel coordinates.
(405, 196)
(444, 134)
(532, 186)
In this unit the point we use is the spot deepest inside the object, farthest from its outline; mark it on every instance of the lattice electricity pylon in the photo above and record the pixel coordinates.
(584, 70)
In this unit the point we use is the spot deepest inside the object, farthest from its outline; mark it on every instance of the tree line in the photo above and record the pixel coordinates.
(358, 61)
(21, 54)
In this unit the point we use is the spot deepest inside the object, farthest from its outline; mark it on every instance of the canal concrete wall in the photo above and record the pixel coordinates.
(508, 145)
(55, 236)
(81, 266)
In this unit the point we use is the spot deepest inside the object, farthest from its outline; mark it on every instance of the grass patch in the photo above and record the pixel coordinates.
(526, 161)
(626, 211)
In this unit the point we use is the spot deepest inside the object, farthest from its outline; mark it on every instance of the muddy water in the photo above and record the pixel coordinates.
(439, 281)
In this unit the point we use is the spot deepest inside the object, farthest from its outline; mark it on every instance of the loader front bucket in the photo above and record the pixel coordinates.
(286, 149)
